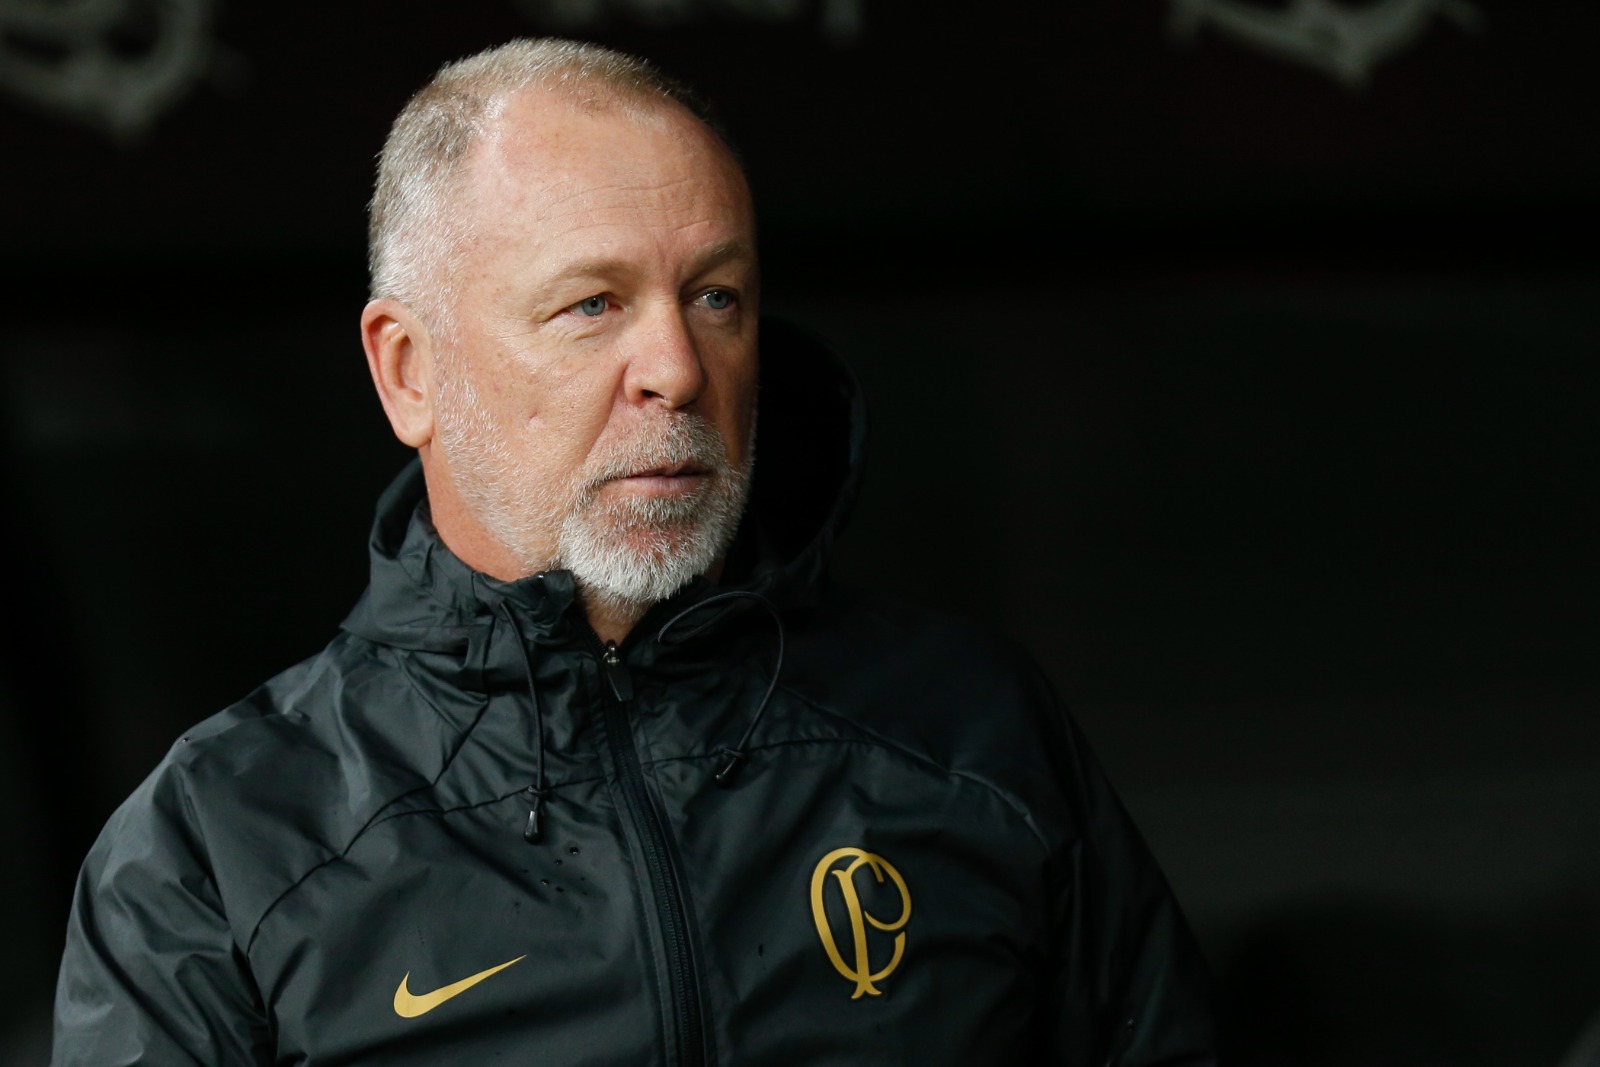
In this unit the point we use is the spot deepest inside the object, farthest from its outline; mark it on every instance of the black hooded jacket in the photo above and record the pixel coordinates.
(468, 833)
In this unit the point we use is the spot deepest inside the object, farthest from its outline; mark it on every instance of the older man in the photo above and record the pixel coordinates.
(599, 770)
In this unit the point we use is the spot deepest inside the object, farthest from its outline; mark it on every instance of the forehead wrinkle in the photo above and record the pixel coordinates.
(577, 193)
(551, 190)
(607, 214)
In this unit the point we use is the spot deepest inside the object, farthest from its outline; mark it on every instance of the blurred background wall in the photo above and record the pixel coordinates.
(1238, 356)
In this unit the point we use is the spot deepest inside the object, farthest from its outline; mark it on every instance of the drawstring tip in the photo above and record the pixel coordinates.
(533, 829)
(724, 777)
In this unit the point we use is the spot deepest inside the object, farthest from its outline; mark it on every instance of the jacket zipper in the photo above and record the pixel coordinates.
(648, 825)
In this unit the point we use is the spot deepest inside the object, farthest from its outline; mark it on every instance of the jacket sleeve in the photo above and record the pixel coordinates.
(151, 973)
(1129, 985)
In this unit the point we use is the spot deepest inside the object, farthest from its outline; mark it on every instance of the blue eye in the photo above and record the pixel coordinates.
(718, 299)
(591, 307)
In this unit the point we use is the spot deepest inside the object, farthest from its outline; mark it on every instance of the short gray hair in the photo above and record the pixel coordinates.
(416, 228)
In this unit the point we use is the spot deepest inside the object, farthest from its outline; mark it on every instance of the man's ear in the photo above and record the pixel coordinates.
(400, 357)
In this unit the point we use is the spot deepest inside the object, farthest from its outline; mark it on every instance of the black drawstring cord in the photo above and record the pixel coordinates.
(539, 791)
(736, 755)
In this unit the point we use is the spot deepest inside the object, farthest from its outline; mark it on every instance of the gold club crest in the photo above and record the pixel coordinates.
(843, 863)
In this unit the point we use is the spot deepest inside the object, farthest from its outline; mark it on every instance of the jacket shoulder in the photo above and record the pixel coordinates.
(944, 689)
(285, 779)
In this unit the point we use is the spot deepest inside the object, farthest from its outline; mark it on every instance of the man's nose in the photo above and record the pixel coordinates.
(664, 362)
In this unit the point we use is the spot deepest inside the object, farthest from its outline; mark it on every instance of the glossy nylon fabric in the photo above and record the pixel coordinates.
(349, 837)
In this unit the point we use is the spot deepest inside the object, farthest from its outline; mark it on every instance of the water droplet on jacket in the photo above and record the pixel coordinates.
(544, 881)
(573, 849)
(558, 863)
(561, 889)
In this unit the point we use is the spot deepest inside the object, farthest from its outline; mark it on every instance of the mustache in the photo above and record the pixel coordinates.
(686, 440)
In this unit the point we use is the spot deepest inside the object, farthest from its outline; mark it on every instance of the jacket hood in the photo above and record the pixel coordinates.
(810, 444)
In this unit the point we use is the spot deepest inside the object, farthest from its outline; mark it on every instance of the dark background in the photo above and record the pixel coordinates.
(1256, 403)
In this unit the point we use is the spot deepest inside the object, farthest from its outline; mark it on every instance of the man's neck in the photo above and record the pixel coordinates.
(613, 623)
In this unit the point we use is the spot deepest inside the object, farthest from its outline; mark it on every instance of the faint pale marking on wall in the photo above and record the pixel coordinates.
(1345, 41)
(840, 21)
(117, 65)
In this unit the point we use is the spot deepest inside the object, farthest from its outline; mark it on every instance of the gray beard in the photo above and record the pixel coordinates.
(625, 554)
(628, 554)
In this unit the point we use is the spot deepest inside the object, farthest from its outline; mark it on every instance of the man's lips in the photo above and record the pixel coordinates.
(664, 480)
(682, 469)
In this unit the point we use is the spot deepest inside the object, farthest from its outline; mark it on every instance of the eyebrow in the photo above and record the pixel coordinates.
(727, 250)
(715, 256)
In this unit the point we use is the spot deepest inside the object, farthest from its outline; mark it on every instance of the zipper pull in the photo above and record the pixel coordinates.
(617, 673)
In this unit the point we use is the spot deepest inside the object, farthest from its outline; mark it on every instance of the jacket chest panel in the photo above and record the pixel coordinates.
(436, 900)
(856, 907)
(844, 898)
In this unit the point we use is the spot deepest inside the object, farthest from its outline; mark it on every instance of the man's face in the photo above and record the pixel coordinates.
(595, 403)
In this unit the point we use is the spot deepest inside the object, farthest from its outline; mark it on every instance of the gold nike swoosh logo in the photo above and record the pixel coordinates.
(409, 1005)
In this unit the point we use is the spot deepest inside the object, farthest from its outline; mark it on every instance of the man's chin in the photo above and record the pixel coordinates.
(636, 586)
(630, 565)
